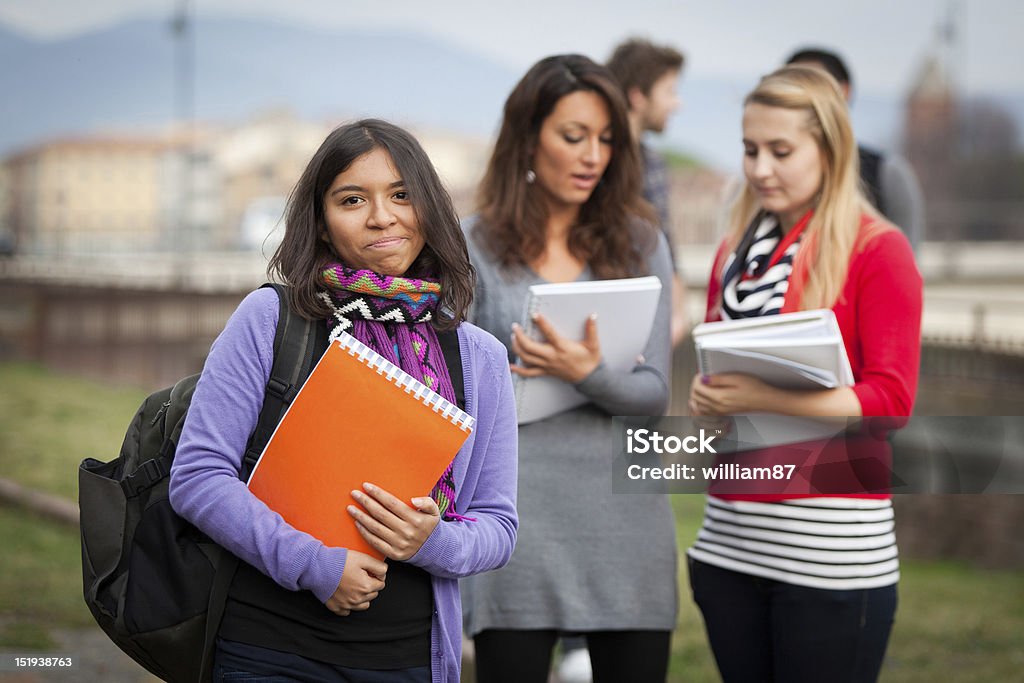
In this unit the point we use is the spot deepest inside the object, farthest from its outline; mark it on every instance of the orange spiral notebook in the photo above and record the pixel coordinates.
(358, 418)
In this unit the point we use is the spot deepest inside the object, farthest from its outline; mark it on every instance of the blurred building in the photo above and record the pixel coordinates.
(189, 190)
(258, 163)
(177, 191)
(460, 160)
(219, 187)
(930, 134)
(85, 195)
(697, 202)
(6, 230)
(967, 154)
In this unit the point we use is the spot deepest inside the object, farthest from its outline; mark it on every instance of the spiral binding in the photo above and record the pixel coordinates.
(403, 380)
(532, 305)
(703, 364)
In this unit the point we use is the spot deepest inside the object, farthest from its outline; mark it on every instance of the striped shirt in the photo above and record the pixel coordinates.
(832, 543)
(837, 543)
(756, 275)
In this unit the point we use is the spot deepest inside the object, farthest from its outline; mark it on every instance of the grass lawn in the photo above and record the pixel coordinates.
(955, 622)
(49, 423)
(41, 580)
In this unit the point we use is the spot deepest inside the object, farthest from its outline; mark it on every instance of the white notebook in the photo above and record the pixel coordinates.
(801, 350)
(625, 315)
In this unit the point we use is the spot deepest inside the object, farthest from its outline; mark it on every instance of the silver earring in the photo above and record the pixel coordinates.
(530, 177)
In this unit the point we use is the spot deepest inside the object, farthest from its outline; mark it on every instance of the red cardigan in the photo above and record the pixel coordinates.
(879, 315)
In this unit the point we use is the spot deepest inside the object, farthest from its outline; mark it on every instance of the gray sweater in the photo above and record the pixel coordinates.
(585, 559)
(901, 193)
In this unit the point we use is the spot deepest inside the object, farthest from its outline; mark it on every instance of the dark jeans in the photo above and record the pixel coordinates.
(243, 663)
(767, 631)
(514, 656)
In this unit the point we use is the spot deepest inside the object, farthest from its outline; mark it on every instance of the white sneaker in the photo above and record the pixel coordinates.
(575, 667)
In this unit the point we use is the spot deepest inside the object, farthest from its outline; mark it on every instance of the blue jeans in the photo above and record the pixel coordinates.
(767, 631)
(242, 663)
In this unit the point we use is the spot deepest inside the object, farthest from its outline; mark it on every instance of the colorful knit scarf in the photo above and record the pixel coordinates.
(392, 316)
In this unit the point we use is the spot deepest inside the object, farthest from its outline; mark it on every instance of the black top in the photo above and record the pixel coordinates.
(871, 176)
(394, 633)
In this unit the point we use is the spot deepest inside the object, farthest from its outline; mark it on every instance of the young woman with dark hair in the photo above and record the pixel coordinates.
(300, 257)
(372, 247)
(561, 202)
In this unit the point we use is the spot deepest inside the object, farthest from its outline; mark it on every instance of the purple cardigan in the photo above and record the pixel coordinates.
(205, 488)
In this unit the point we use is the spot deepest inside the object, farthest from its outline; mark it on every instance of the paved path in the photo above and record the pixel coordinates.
(97, 660)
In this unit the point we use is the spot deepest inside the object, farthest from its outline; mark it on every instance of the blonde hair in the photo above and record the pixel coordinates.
(832, 235)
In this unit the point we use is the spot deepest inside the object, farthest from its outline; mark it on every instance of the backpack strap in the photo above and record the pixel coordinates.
(297, 346)
(296, 342)
(871, 176)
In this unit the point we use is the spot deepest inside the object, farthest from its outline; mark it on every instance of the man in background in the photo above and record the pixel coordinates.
(649, 75)
(888, 180)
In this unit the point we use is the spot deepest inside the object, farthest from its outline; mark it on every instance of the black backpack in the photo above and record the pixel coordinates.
(871, 176)
(154, 583)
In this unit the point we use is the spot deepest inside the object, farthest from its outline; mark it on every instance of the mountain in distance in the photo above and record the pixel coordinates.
(123, 77)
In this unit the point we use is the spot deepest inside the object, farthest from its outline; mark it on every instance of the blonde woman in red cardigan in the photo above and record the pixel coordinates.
(801, 588)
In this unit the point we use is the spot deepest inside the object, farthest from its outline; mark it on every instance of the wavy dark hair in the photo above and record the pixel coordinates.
(615, 228)
(302, 254)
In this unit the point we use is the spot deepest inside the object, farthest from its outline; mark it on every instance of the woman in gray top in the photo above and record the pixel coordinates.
(561, 201)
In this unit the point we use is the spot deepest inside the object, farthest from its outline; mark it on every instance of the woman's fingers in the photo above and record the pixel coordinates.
(390, 526)
(369, 527)
(571, 361)
(374, 541)
(361, 582)
(529, 350)
(590, 338)
(548, 330)
(524, 371)
(385, 503)
(381, 506)
(427, 506)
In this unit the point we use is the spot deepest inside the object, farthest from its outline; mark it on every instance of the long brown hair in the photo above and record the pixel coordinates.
(834, 231)
(615, 228)
(302, 255)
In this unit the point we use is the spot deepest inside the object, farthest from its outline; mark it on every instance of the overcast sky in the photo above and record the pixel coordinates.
(730, 43)
(885, 41)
